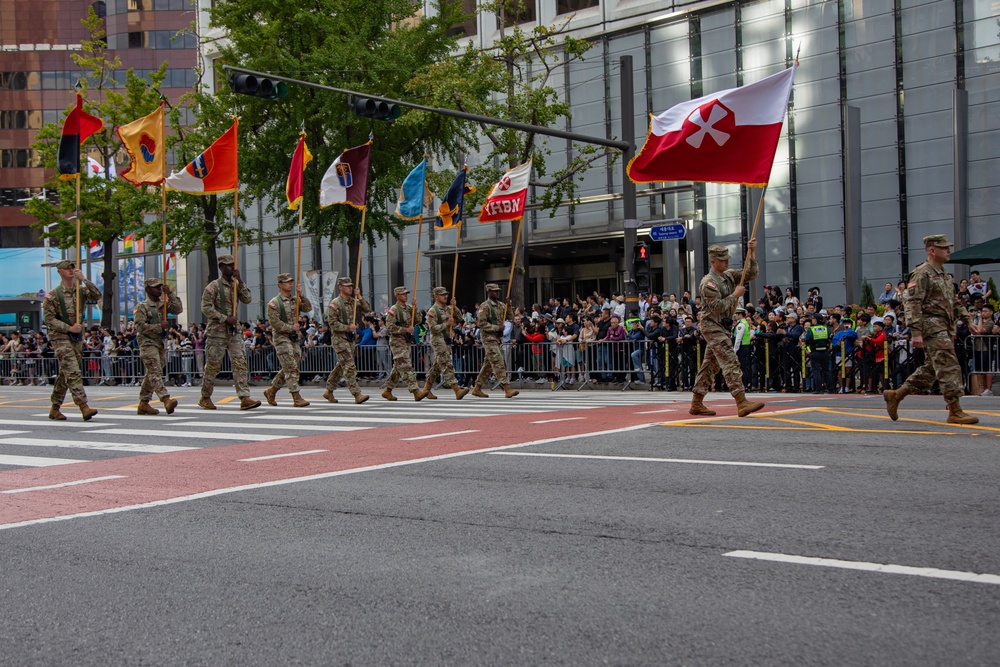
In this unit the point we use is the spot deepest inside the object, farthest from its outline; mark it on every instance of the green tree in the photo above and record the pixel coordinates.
(867, 294)
(108, 209)
(513, 81)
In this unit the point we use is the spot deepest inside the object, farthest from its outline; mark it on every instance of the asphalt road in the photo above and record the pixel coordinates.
(470, 547)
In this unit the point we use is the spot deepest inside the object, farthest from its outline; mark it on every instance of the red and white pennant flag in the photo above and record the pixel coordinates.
(507, 198)
(727, 137)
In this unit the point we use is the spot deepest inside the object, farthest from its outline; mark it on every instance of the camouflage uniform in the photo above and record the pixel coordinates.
(59, 314)
(216, 306)
(932, 310)
(149, 336)
(437, 322)
(488, 319)
(289, 352)
(338, 316)
(397, 320)
(718, 303)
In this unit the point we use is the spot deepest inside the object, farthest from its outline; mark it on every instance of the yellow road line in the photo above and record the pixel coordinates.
(815, 428)
(812, 425)
(227, 399)
(992, 429)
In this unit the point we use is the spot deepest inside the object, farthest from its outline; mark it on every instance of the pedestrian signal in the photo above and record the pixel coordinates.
(640, 266)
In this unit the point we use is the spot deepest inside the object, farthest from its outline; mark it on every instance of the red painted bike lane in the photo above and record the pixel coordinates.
(142, 481)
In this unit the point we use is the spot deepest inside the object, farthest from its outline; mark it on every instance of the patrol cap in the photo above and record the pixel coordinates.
(400, 290)
(152, 282)
(345, 282)
(718, 252)
(284, 277)
(66, 264)
(741, 309)
(938, 241)
(226, 259)
(440, 291)
(492, 287)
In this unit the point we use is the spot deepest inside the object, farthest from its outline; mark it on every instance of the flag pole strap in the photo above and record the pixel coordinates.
(236, 247)
(357, 273)
(513, 263)
(416, 274)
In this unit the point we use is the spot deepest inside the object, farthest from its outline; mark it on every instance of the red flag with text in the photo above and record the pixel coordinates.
(507, 198)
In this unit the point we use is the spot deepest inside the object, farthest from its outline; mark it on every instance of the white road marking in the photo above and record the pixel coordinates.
(36, 423)
(887, 568)
(2, 433)
(95, 424)
(657, 460)
(244, 437)
(360, 418)
(653, 412)
(441, 435)
(82, 444)
(564, 419)
(283, 427)
(281, 456)
(57, 486)
(34, 461)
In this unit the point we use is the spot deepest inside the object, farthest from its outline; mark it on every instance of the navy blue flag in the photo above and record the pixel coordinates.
(451, 211)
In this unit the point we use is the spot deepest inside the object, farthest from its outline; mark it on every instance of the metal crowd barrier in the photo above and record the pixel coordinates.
(980, 363)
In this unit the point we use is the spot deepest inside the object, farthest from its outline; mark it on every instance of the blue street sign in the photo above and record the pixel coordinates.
(667, 232)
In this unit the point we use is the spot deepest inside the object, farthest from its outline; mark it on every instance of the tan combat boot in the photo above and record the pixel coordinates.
(146, 409)
(298, 401)
(508, 392)
(698, 407)
(360, 398)
(328, 395)
(957, 416)
(427, 390)
(206, 402)
(55, 414)
(419, 394)
(478, 391)
(387, 394)
(169, 404)
(269, 394)
(893, 397)
(247, 403)
(745, 407)
(460, 392)
(87, 412)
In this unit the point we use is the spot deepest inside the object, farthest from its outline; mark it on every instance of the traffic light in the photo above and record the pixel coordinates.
(369, 108)
(640, 266)
(248, 84)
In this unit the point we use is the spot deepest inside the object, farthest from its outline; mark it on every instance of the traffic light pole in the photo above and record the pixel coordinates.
(628, 187)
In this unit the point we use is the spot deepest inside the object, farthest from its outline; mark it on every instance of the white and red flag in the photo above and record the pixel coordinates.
(727, 137)
(507, 198)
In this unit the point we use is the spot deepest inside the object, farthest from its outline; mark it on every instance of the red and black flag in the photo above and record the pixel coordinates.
(78, 127)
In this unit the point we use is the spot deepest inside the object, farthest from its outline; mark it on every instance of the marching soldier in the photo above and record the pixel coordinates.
(932, 310)
(286, 336)
(440, 323)
(343, 335)
(152, 327)
(222, 334)
(66, 337)
(489, 320)
(400, 337)
(720, 292)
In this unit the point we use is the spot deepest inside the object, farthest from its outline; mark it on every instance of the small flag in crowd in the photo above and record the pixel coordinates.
(346, 181)
(726, 137)
(213, 172)
(94, 169)
(129, 245)
(451, 210)
(507, 198)
(143, 141)
(296, 174)
(413, 193)
(78, 127)
(96, 250)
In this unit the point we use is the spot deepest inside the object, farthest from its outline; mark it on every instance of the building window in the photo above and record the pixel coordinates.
(137, 5)
(468, 27)
(136, 40)
(13, 80)
(518, 11)
(569, 6)
(15, 158)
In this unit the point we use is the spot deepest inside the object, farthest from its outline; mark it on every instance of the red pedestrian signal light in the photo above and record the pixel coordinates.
(640, 266)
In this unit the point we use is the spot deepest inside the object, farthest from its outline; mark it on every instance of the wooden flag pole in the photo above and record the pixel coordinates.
(78, 308)
(236, 246)
(513, 263)
(298, 264)
(416, 274)
(357, 274)
(454, 273)
(753, 235)
(163, 197)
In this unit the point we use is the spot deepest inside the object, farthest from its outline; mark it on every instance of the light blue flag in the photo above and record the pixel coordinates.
(413, 192)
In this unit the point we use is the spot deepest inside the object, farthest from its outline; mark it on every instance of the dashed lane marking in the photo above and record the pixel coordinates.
(242, 437)
(34, 461)
(281, 456)
(563, 419)
(441, 435)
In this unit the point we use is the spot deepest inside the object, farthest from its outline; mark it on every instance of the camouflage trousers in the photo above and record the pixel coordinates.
(70, 355)
(154, 358)
(401, 366)
(215, 352)
(345, 367)
(941, 364)
(719, 355)
(493, 364)
(442, 366)
(289, 356)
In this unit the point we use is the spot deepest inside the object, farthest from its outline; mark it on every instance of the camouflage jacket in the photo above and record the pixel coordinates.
(932, 307)
(717, 300)
(437, 322)
(488, 320)
(148, 315)
(340, 311)
(282, 326)
(217, 305)
(397, 320)
(59, 308)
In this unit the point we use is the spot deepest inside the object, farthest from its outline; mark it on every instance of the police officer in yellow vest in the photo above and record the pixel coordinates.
(742, 337)
(817, 339)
